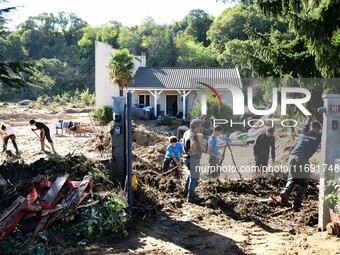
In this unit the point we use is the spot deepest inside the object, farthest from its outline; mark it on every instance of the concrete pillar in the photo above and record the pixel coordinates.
(156, 97)
(184, 95)
(118, 169)
(330, 152)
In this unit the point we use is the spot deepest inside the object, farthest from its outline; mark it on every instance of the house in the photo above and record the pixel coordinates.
(169, 91)
(177, 90)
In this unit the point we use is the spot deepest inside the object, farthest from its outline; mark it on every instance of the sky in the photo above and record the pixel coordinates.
(128, 12)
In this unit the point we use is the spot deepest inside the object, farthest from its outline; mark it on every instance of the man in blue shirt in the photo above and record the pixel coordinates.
(215, 156)
(173, 153)
(307, 145)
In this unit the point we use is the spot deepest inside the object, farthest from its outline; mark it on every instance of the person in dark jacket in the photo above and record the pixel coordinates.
(44, 133)
(298, 161)
(264, 143)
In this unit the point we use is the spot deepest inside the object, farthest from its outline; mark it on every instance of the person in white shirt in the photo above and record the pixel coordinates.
(8, 133)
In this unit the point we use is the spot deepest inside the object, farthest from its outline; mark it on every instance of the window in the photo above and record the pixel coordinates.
(144, 100)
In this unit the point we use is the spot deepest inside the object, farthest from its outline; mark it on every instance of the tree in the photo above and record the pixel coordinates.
(317, 26)
(199, 23)
(130, 38)
(121, 69)
(193, 54)
(232, 38)
(13, 73)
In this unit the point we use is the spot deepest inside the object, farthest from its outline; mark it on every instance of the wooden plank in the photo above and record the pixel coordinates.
(41, 223)
(84, 189)
(39, 181)
(18, 202)
(12, 216)
(55, 192)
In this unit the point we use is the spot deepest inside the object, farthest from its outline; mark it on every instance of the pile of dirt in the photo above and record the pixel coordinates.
(148, 148)
(145, 136)
(102, 141)
(241, 200)
(256, 198)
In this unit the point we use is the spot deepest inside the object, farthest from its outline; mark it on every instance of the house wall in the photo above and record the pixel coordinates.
(104, 88)
(161, 101)
(191, 99)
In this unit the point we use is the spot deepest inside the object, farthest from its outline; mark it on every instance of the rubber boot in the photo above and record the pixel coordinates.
(52, 146)
(42, 145)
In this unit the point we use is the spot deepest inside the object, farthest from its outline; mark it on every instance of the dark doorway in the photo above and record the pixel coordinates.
(171, 105)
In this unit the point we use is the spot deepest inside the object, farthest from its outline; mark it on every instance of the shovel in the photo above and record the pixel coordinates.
(48, 147)
(169, 171)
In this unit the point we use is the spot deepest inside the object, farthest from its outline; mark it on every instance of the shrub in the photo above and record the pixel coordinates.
(103, 115)
(334, 196)
(87, 98)
(44, 99)
(103, 219)
(196, 112)
(214, 108)
(164, 121)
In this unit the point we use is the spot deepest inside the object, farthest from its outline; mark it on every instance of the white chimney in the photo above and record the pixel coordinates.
(143, 59)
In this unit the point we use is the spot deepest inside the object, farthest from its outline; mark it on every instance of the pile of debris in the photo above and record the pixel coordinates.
(45, 204)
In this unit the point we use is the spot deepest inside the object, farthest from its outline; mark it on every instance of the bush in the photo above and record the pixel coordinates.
(214, 108)
(103, 115)
(334, 196)
(103, 219)
(44, 99)
(164, 121)
(87, 98)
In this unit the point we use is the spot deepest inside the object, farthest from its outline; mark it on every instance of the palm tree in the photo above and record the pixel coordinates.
(121, 69)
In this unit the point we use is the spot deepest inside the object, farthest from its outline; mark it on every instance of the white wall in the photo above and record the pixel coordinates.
(191, 99)
(104, 88)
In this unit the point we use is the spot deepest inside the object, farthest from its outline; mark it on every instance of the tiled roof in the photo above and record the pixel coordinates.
(184, 78)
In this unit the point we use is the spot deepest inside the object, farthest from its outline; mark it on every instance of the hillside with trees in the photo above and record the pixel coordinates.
(56, 51)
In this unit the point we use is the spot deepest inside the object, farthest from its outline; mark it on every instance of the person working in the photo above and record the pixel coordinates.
(215, 155)
(307, 145)
(264, 143)
(44, 133)
(8, 134)
(173, 154)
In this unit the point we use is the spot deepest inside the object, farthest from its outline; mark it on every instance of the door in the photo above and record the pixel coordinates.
(171, 105)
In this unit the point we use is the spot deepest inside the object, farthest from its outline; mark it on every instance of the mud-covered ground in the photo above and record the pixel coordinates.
(232, 216)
